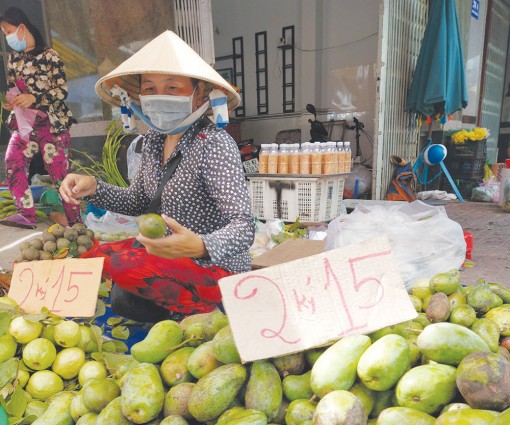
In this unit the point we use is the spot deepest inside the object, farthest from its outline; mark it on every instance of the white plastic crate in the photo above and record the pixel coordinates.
(312, 199)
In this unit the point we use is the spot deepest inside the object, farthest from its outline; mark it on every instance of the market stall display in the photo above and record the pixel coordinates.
(425, 370)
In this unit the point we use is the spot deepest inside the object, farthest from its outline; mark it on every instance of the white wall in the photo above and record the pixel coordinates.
(329, 35)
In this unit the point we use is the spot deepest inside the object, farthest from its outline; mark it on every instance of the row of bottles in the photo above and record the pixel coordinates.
(309, 158)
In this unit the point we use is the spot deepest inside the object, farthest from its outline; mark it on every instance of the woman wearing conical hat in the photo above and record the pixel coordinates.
(205, 202)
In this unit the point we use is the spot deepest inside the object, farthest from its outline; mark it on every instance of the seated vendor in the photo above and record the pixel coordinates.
(205, 202)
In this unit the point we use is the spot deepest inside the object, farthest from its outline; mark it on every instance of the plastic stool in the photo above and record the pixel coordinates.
(468, 237)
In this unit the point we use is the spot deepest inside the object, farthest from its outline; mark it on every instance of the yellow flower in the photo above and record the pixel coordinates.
(476, 134)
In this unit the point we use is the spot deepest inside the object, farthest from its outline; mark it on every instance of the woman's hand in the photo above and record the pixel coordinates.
(180, 243)
(7, 106)
(75, 186)
(24, 101)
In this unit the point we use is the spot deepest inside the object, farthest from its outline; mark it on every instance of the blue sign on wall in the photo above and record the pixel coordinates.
(475, 8)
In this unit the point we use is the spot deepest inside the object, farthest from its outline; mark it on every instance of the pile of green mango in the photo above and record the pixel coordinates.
(447, 366)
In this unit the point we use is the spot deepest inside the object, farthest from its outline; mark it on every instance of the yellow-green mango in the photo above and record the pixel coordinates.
(414, 350)
(280, 417)
(449, 343)
(444, 282)
(481, 297)
(214, 392)
(340, 408)
(58, 411)
(212, 323)
(417, 303)
(8, 347)
(224, 346)
(502, 419)
(456, 299)
(404, 416)
(454, 406)
(384, 362)
(202, 360)
(422, 319)
(194, 335)
(98, 392)
(290, 364)
(335, 369)
(501, 317)
(35, 408)
(466, 417)
(174, 369)
(143, 394)
(125, 366)
(242, 416)
(313, 354)
(488, 331)
(112, 414)
(300, 412)
(365, 395)
(176, 400)
(500, 291)
(463, 315)
(382, 400)
(297, 386)
(264, 389)
(174, 420)
(87, 419)
(78, 408)
(427, 387)
(159, 342)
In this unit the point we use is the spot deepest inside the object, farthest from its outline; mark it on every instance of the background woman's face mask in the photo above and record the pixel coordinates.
(166, 111)
(14, 42)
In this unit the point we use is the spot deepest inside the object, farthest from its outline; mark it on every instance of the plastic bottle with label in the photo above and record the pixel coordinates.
(294, 159)
(330, 159)
(265, 148)
(340, 156)
(305, 158)
(347, 157)
(272, 161)
(316, 158)
(283, 159)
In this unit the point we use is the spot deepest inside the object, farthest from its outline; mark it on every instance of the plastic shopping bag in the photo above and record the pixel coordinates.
(112, 226)
(423, 239)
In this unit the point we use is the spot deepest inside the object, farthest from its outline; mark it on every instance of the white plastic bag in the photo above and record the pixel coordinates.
(133, 158)
(112, 226)
(423, 239)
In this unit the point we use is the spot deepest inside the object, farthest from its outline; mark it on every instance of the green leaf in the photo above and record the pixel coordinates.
(16, 421)
(121, 347)
(17, 403)
(8, 371)
(100, 309)
(103, 289)
(120, 332)
(112, 321)
(39, 317)
(113, 360)
(5, 320)
(109, 347)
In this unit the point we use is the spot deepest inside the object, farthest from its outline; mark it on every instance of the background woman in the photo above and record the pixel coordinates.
(36, 86)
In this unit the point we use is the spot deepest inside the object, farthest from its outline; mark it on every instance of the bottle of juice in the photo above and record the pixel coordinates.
(294, 159)
(305, 159)
(283, 159)
(316, 158)
(330, 159)
(341, 157)
(263, 157)
(272, 161)
(348, 157)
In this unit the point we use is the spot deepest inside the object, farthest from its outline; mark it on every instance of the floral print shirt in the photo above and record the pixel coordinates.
(207, 193)
(43, 76)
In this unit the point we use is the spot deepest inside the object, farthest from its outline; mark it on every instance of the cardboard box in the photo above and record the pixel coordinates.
(292, 249)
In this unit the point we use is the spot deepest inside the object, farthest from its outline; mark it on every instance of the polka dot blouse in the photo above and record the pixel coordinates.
(207, 193)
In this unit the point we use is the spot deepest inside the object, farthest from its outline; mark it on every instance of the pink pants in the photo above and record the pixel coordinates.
(55, 152)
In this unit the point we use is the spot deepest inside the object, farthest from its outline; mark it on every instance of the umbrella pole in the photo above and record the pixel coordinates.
(429, 133)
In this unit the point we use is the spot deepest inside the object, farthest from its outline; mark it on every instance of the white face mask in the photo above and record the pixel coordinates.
(166, 111)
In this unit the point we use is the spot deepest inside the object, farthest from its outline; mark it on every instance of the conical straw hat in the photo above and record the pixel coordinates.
(166, 54)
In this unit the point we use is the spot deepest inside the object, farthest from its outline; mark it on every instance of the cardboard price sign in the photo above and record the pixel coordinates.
(67, 287)
(308, 302)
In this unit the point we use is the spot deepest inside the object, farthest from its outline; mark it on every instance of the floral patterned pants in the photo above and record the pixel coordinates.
(55, 153)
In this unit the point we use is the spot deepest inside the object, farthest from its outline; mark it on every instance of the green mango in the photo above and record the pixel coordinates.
(174, 420)
(280, 417)
(194, 335)
(35, 408)
(454, 406)
(202, 360)
(404, 416)
(466, 417)
(463, 315)
(502, 419)
(427, 387)
(365, 395)
(112, 414)
(335, 369)
(214, 392)
(161, 339)
(174, 369)
(8, 347)
(422, 319)
(313, 354)
(414, 350)
(176, 400)
(297, 386)
(501, 317)
(264, 389)
(87, 419)
(444, 282)
(481, 297)
(125, 366)
(224, 346)
(417, 303)
(143, 394)
(213, 323)
(488, 331)
(290, 364)
(339, 407)
(58, 411)
(300, 412)
(242, 416)
(382, 400)
(456, 299)
(195, 318)
(98, 392)
(384, 362)
(448, 343)
(500, 291)
(78, 408)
